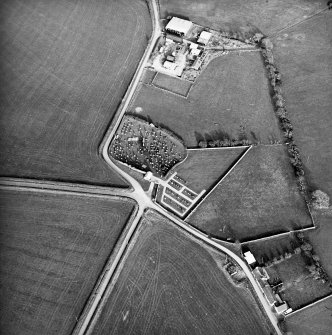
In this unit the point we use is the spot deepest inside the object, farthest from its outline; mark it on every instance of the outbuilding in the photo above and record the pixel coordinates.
(251, 260)
(204, 37)
(281, 309)
(179, 26)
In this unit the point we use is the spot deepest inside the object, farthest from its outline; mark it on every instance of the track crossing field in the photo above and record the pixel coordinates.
(171, 284)
(53, 249)
(65, 66)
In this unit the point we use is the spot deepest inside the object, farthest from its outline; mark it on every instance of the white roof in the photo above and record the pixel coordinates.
(249, 257)
(282, 308)
(179, 25)
(169, 65)
(204, 37)
(195, 52)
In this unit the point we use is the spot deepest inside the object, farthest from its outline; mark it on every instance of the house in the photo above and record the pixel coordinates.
(281, 309)
(269, 295)
(204, 37)
(251, 260)
(179, 26)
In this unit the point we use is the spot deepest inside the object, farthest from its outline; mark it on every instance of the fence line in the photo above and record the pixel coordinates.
(309, 305)
(219, 182)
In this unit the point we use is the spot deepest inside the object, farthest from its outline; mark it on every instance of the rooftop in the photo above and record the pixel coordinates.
(249, 257)
(179, 25)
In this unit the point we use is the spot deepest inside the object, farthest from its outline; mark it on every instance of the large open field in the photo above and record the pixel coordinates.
(303, 55)
(230, 95)
(259, 197)
(65, 66)
(171, 284)
(237, 15)
(315, 320)
(202, 169)
(53, 248)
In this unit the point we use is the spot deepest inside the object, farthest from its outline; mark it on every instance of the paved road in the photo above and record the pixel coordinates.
(144, 202)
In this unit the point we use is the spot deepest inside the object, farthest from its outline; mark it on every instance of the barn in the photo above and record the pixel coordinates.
(179, 26)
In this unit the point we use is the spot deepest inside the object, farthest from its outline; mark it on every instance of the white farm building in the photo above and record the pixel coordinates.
(179, 26)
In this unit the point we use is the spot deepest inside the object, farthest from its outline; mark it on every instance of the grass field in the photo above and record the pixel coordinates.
(237, 15)
(203, 168)
(65, 66)
(53, 248)
(172, 84)
(232, 92)
(303, 55)
(300, 288)
(315, 320)
(170, 284)
(259, 197)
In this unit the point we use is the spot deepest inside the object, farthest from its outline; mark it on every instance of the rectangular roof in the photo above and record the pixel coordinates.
(179, 25)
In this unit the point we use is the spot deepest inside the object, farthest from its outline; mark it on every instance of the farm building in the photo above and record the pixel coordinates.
(281, 308)
(251, 260)
(204, 37)
(179, 26)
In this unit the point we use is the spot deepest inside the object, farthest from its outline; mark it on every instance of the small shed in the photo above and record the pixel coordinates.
(170, 58)
(251, 260)
(204, 37)
(281, 309)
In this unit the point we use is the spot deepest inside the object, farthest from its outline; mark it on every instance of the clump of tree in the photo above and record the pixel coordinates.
(314, 266)
(320, 200)
(226, 142)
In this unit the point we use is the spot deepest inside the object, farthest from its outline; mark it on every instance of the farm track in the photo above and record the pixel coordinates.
(61, 187)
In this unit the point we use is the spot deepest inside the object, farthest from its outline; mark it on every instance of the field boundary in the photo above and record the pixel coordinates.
(32, 185)
(219, 148)
(218, 183)
(104, 271)
(167, 90)
(116, 120)
(278, 235)
(308, 306)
